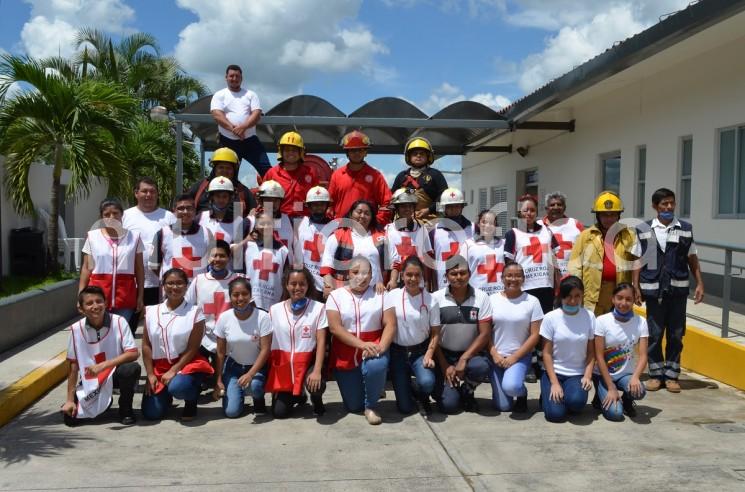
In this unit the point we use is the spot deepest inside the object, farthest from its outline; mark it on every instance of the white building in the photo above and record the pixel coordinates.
(665, 108)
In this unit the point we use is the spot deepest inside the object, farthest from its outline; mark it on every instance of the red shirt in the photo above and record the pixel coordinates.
(347, 186)
(296, 185)
(609, 262)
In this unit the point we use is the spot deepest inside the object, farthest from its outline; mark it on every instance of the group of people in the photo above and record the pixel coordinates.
(243, 295)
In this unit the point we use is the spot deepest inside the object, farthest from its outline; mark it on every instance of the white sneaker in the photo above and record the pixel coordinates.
(372, 417)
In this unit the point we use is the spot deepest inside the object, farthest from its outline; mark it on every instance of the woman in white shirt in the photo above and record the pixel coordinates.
(417, 336)
(621, 339)
(363, 323)
(298, 346)
(516, 319)
(485, 254)
(244, 338)
(170, 351)
(568, 353)
(358, 235)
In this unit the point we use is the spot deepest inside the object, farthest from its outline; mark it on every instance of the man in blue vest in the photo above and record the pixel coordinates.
(667, 253)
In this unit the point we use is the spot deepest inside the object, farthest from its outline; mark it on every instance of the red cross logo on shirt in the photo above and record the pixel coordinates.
(490, 268)
(186, 261)
(315, 246)
(265, 265)
(563, 246)
(218, 306)
(103, 375)
(406, 248)
(446, 255)
(536, 250)
(220, 236)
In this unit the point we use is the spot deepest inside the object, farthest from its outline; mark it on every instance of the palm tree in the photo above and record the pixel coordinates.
(63, 121)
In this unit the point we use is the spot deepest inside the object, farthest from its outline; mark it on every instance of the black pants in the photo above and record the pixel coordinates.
(150, 297)
(666, 318)
(283, 401)
(250, 149)
(126, 377)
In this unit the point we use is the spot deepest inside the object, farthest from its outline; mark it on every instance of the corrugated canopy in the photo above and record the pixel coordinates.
(388, 121)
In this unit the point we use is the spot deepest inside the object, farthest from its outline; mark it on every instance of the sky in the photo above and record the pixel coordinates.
(349, 52)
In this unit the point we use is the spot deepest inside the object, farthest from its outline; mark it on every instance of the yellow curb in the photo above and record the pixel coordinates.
(19, 395)
(712, 356)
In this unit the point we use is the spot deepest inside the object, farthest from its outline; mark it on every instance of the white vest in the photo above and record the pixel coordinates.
(486, 262)
(230, 232)
(169, 331)
(309, 246)
(446, 244)
(403, 243)
(533, 252)
(265, 267)
(211, 295)
(187, 252)
(566, 231)
(295, 335)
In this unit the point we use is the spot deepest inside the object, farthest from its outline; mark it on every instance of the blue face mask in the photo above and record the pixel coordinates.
(299, 304)
(666, 216)
(217, 273)
(570, 309)
(215, 208)
(623, 316)
(244, 309)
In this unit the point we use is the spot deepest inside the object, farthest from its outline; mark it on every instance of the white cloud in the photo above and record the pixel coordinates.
(51, 29)
(279, 44)
(447, 94)
(474, 8)
(586, 28)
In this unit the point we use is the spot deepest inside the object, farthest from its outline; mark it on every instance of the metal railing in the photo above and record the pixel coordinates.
(726, 283)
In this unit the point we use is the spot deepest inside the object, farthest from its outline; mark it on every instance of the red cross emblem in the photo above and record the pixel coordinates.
(265, 265)
(103, 375)
(315, 247)
(563, 246)
(406, 248)
(218, 306)
(222, 181)
(536, 250)
(446, 255)
(318, 192)
(491, 268)
(220, 236)
(187, 261)
(452, 194)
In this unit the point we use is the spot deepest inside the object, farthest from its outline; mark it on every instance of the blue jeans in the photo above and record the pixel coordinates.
(182, 387)
(250, 149)
(360, 387)
(575, 398)
(615, 412)
(403, 365)
(232, 402)
(449, 397)
(128, 314)
(507, 384)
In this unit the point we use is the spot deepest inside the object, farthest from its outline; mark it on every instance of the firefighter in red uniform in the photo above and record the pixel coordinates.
(358, 180)
(295, 177)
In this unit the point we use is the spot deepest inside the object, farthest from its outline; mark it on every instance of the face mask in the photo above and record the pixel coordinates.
(623, 316)
(570, 309)
(317, 217)
(299, 304)
(667, 216)
(244, 309)
(217, 273)
(215, 208)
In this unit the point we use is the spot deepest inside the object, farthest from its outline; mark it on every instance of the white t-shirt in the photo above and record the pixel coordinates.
(414, 316)
(569, 334)
(243, 337)
(237, 107)
(147, 224)
(620, 340)
(511, 320)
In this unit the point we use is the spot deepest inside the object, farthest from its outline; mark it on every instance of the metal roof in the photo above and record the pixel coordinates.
(388, 121)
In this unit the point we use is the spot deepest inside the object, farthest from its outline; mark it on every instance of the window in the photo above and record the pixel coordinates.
(731, 196)
(610, 168)
(482, 200)
(498, 204)
(471, 197)
(527, 182)
(686, 165)
(641, 177)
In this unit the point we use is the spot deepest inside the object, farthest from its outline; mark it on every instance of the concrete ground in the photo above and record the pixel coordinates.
(690, 441)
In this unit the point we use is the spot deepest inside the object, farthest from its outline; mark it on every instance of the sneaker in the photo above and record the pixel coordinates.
(259, 405)
(653, 384)
(425, 408)
(128, 419)
(372, 417)
(530, 377)
(470, 404)
(190, 411)
(521, 404)
(629, 407)
(302, 399)
(596, 404)
(672, 385)
(318, 407)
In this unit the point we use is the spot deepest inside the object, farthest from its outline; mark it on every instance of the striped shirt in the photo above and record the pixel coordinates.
(460, 322)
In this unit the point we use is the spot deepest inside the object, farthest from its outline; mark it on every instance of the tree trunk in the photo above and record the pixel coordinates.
(52, 241)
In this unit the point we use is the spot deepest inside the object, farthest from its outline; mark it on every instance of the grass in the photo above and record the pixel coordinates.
(16, 284)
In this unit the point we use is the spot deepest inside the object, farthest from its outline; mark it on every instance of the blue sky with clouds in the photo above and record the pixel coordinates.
(430, 52)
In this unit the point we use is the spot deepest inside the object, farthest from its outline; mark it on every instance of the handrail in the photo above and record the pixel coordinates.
(731, 247)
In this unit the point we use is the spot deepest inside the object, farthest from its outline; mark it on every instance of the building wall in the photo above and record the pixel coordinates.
(693, 98)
